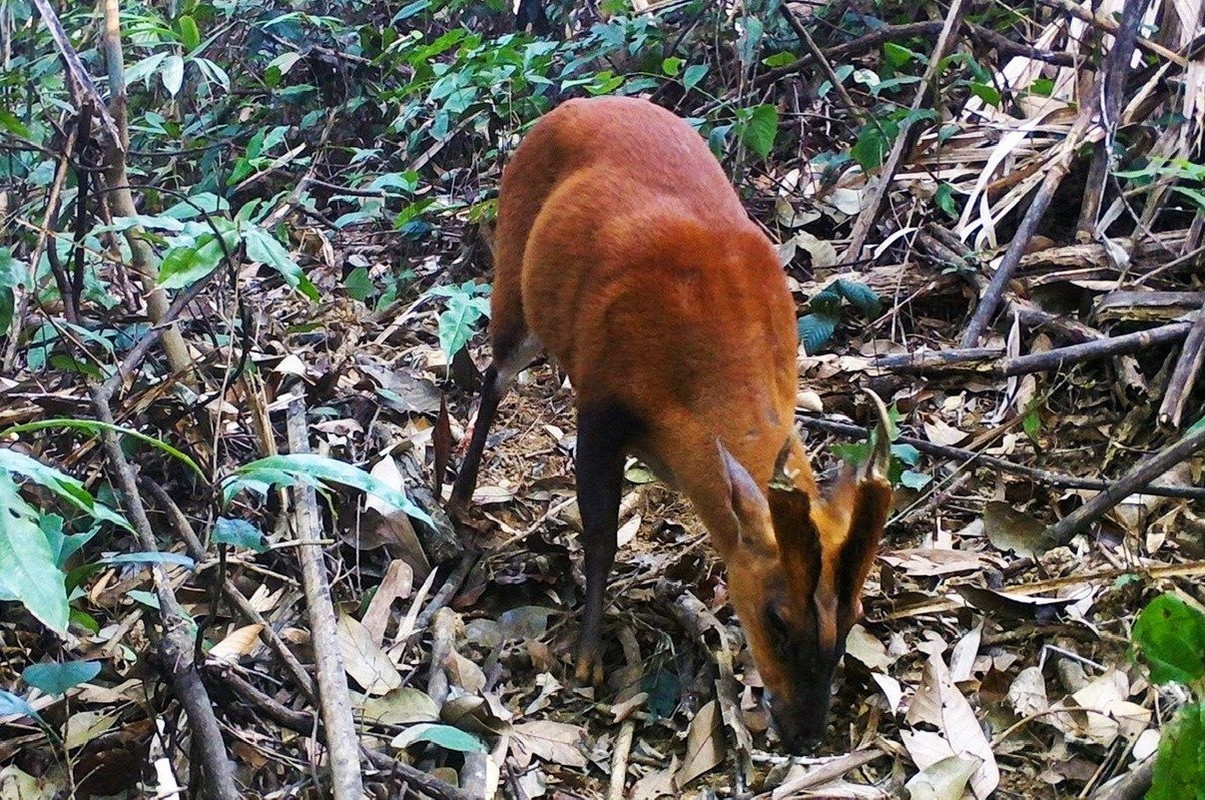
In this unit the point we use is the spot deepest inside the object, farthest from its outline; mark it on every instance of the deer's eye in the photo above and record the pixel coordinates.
(779, 630)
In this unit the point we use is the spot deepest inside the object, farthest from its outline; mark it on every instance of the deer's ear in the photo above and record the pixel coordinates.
(871, 502)
(746, 501)
(798, 542)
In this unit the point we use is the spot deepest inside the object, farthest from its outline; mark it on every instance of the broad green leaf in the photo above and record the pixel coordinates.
(760, 129)
(446, 736)
(56, 679)
(693, 74)
(1180, 765)
(1170, 636)
(10, 123)
(263, 247)
(906, 453)
(859, 295)
(815, 330)
(314, 469)
(27, 565)
(458, 321)
(779, 59)
(190, 37)
(239, 533)
(915, 480)
(986, 92)
(95, 427)
(66, 487)
(11, 704)
(897, 55)
(178, 559)
(672, 66)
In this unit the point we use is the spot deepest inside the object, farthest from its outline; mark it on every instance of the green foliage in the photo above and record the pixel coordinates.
(816, 328)
(313, 470)
(56, 679)
(1188, 178)
(239, 533)
(464, 306)
(904, 457)
(1169, 635)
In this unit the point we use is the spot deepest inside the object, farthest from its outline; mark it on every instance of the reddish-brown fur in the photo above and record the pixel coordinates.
(622, 249)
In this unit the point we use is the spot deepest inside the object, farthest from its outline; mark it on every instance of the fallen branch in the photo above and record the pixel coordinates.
(1033, 473)
(1136, 480)
(175, 646)
(1184, 377)
(1056, 170)
(342, 743)
(987, 359)
(1131, 786)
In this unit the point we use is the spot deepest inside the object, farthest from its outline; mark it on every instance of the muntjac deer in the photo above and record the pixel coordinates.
(622, 249)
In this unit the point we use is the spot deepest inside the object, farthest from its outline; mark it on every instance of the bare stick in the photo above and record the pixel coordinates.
(827, 68)
(1117, 69)
(1111, 27)
(175, 646)
(1033, 473)
(1056, 170)
(1131, 786)
(907, 136)
(1145, 471)
(986, 359)
(341, 740)
(1184, 377)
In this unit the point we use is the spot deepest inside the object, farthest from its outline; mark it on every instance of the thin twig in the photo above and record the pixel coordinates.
(1184, 377)
(1056, 170)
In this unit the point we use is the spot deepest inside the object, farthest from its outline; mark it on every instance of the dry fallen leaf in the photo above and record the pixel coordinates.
(943, 780)
(939, 703)
(553, 742)
(704, 750)
(364, 661)
(238, 643)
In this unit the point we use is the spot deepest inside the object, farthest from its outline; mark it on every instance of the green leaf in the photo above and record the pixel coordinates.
(446, 736)
(27, 566)
(1170, 637)
(66, 487)
(859, 295)
(869, 148)
(288, 469)
(693, 74)
(760, 129)
(144, 557)
(1031, 423)
(239, 533)
(986, 92)
(672, 66)
(263, 247)
(945, 200)
(56, 679)
(897, 55)
(915, 480)
(815, 330)
(11, 704)
(190, 37)
(1180, 765)
(95, 427)
(779, 59)
(10, 123)
(852, 453)
(148, 599)
(906, 453)
(359, 285)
